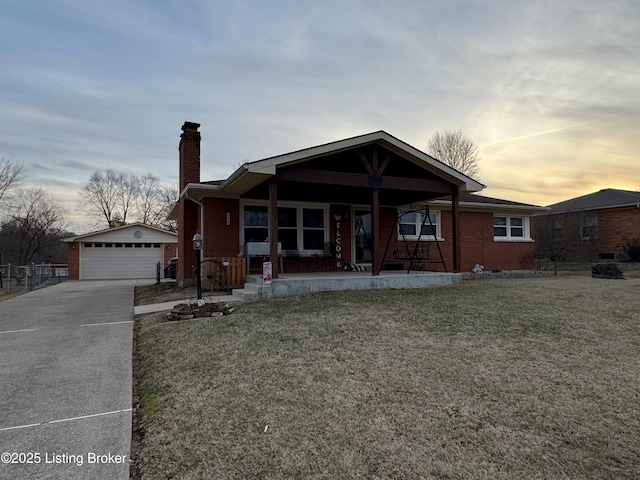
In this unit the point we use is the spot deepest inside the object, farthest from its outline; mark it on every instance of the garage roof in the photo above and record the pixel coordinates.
(139, 232)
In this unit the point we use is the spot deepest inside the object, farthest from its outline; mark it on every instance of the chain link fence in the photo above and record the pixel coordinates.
(23, 278)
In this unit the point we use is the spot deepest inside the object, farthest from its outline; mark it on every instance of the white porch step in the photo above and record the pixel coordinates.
(253, 290)
(245, 294)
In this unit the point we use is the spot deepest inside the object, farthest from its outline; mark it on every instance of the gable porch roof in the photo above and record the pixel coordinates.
(252, 174)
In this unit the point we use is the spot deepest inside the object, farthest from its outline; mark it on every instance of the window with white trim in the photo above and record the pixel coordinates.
(288, 227)
(508, 227)
(256, 223)
(410, 225)
(589, 226)
(313, 233)
(300, 228)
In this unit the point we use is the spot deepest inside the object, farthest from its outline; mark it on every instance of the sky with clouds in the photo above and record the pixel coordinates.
(549, 90)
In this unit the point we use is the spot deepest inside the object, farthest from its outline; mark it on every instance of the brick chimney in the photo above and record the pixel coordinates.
(188, 211)
(189, 154)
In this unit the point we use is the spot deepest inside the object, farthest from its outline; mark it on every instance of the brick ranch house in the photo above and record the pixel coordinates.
(590, 227)
(369, 201)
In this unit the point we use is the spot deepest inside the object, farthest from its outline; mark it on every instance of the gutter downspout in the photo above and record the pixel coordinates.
(186, 195)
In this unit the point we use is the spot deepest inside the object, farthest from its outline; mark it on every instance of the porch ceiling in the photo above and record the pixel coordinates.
(349, 176)
(338, 194)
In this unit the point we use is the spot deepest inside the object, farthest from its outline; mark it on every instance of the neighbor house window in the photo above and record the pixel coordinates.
(508, 227)
(589, 226)
(412, 225)
(557, 227)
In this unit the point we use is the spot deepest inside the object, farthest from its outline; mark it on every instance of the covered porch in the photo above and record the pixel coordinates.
(358, 182)
(304, 283)
(324, 208)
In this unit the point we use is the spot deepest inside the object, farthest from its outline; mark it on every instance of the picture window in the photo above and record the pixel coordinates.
(410, 223)
(509, 227)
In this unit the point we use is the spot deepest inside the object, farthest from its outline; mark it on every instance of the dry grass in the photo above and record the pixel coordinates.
(167, 292)
(6, 296)
(500, 379)
(629, 269)
(162, 292)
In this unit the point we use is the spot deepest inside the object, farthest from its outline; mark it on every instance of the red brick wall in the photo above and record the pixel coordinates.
(187, 228)
(476, 236)
(616, 227)
(73, 259)
(189, 150)
(170, 251)
(477, 245)
(188, 225)
(220, 239)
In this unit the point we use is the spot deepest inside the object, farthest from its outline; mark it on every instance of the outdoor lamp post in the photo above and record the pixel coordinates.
(197, 246)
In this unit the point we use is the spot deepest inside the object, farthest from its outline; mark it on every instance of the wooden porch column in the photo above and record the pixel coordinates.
(375, 234)
(273, 228)
(455, 229)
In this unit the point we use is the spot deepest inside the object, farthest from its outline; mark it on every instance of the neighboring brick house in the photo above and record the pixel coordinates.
(358, 201)
(591, 227)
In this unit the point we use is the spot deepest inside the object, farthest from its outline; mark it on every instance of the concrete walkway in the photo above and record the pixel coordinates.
(66, 386)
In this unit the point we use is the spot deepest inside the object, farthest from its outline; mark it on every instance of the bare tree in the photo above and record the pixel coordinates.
(149, 208)
(36, 223)
(128, 192)
(11, 174)
(168, 196)
(118, 199)
(111, 196)
(456, 150)
(155, 201)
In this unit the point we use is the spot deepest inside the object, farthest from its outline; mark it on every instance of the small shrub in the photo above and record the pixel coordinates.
(632, 249)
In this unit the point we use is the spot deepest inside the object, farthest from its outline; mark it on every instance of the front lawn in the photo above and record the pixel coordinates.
(501, 379)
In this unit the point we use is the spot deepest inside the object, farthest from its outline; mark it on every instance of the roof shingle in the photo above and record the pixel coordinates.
(606, 198)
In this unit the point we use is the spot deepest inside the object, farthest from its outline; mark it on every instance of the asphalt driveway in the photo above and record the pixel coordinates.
(65, 382)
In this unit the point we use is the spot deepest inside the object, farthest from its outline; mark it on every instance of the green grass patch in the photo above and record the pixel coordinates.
(503, 378)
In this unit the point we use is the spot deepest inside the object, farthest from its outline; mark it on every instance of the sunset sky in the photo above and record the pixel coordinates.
(548, 90)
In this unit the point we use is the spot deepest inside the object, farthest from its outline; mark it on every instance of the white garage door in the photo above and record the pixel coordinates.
(102, 261)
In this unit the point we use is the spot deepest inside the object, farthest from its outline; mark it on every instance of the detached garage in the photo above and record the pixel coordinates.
(127, 252)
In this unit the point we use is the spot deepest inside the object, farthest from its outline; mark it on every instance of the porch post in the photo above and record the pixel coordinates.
(273, 227)
(455, 229)
(375, 233)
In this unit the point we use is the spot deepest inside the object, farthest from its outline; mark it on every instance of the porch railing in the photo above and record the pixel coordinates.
(236, 271)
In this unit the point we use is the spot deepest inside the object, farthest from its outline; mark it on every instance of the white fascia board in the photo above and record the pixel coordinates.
(468, 184)
(235, 176)
(404, 150)
(492, 207)
(199, 191)
(252, 174)
(191, 188)
(137, 225)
